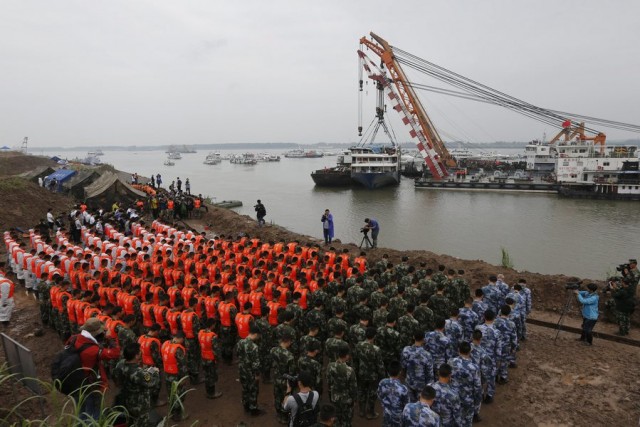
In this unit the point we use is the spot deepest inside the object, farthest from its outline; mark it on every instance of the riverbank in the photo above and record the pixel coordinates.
(550, 387)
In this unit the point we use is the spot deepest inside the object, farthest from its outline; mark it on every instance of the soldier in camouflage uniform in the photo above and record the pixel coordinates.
(403, 268)
(453, 329)
(468, 319)
(313, 336)
(515, 300)
(316, 317)
(483, 361)
(526, 293)
(427, 284)
(357, 333)
(337, 319)
(439, 303)
(136, 384)
(334, 344)
(249, 369)
(408, 326)
(397, 304)
(265, 344)
(287, 328)
(210, 361)
(440, 276)
(492, 295)
(380, 314)
(479, 306)
(450, 288)
(343, 388)
(464, 291)
(509, 341)
(393, 396)
(388, 339)
(418, 366)
(438, 345)
(492, 344)
(465, 377)
(423, 314)
(369, 370)
(282, 364)
(447, 401)
(420, 414)
(126, 335)
(174, 382)
(308, 362)
(378, 297)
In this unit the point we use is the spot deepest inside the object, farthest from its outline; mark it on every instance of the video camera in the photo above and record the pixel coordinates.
(622, 268)
(573, 286)
(364, 230)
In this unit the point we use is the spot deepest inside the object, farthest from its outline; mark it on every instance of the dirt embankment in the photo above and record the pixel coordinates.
(14, 163)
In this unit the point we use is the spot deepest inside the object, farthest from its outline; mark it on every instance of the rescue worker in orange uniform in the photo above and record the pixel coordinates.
(209, 349)
(244, 320)
(227, 313)
(174, 362)
(150, 346)
(190, 324)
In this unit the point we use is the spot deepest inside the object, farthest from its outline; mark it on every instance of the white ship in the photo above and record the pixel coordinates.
(213, 159)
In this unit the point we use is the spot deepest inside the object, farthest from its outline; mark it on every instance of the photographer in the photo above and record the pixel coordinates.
(373, 226)
(261, 212)
(327, 226)
(625, 303)
(589, 300)
(302, 405)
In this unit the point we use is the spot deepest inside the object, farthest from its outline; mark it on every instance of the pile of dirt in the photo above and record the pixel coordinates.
(25, 203)
(14, 163)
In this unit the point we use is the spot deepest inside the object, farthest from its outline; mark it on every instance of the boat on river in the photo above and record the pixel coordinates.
(244, 159)
(174, 155)
(299, 153)
(213, 159)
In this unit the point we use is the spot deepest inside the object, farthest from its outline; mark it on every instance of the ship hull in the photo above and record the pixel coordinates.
(376, 180)
(324, 178)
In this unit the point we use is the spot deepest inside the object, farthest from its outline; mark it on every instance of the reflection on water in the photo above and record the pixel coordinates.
(541, 232)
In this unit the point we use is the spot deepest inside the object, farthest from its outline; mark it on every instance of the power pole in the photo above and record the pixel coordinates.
(24, 145)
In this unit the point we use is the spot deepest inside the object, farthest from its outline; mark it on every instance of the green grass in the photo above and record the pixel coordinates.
(507, 261)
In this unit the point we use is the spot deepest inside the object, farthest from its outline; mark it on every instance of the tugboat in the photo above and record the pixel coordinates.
(337, 176)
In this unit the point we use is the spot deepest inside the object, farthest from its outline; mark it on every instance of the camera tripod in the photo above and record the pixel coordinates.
(366, 241)
(565, 310)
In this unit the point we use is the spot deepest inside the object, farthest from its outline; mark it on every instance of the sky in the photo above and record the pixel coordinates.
(157, 72)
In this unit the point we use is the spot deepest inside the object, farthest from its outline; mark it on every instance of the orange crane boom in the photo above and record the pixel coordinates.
(430, 145)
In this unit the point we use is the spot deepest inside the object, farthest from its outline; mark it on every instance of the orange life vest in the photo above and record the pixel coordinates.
(147, 314)
(210, 306)
(158, 314)
(255, 298)
(172, 320)
(206, 345)
(224, 310)
(169, 359)
(274, 306)
(243, 321)
(186, 319)
(146, 345)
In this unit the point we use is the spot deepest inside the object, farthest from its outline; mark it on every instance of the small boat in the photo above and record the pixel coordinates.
(168, 162)
(244, 159)
(227, 204)
(299, 153)
(96, 153)
(174, 155)
(213, 159)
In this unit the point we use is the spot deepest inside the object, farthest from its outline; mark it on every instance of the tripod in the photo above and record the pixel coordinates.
(565, 310)
(366, 242)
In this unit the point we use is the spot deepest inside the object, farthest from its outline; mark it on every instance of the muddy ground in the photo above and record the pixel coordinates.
(557, 383)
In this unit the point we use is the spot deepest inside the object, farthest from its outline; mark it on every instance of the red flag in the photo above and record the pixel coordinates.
(566, 123)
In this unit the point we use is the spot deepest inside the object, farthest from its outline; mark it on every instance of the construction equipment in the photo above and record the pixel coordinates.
(399, 91)
(569, 132)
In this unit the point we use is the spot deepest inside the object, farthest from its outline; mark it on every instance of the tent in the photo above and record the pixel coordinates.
(35, 174)
(61, 175)
(5, 148)
(110, 188)
(76, 185)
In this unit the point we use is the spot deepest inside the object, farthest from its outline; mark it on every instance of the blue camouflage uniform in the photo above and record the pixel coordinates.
(492, 297)
(526, 292)
(479, 307)
(393, 397)
(492, 344)
(480, 358)
(447, 404)
(439, 346)
(418, 367)
(468, 320)
(465, 377)
(509, 343)
(419, 414)
(453, 330)
(504, 290)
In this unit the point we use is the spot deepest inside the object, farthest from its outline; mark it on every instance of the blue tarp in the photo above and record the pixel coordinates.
(61, 175)
(56, 158)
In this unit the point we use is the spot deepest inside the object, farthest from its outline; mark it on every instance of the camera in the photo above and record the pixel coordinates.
(364, 230)
(622, 267)
(291, 379)
(573, 286)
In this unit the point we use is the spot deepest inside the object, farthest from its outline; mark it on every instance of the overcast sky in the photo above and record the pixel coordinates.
(195, 72)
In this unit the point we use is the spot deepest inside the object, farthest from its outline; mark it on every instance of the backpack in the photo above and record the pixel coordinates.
(66, 368)
(306, 415)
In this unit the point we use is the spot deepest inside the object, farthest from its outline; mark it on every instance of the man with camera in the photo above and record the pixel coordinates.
(589, 300)
(373, 226)
(261, 212)
(302, 405)
(625, 303)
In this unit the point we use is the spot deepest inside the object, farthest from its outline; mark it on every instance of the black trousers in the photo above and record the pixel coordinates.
(587, 329)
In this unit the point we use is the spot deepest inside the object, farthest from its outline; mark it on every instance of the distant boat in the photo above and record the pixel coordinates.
(299, 153)
(213, 159)
(96, 153)
(244, 159)
(169, 163)
(174, 155)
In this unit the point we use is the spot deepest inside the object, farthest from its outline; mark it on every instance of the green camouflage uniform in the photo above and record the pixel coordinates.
(407, 326)
(388, 339)
(136, 385)
(264, 345)
(176, 404)
(343, 391)
(126, 336)
(440, 305)
(464, 291)
(369, 370)
(332, 347)
(380, 317)
(332, 325)
(282, 363)
(249, 369)
(424, 315)
(397, 306)
(304, 342)
(377, 298)
(311, 365)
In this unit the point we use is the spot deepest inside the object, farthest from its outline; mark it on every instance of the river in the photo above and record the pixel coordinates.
(541, 232)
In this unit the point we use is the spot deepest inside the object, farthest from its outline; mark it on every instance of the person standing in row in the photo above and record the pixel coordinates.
(327, 226)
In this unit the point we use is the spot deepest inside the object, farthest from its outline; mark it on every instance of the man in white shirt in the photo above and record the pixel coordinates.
(293, 401)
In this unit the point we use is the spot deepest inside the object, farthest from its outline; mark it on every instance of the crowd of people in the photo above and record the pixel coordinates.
(162, 302)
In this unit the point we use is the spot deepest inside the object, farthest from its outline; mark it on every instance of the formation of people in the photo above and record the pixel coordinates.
(161, 300)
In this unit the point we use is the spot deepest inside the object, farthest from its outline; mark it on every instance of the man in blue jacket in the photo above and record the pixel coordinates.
(589, 300)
